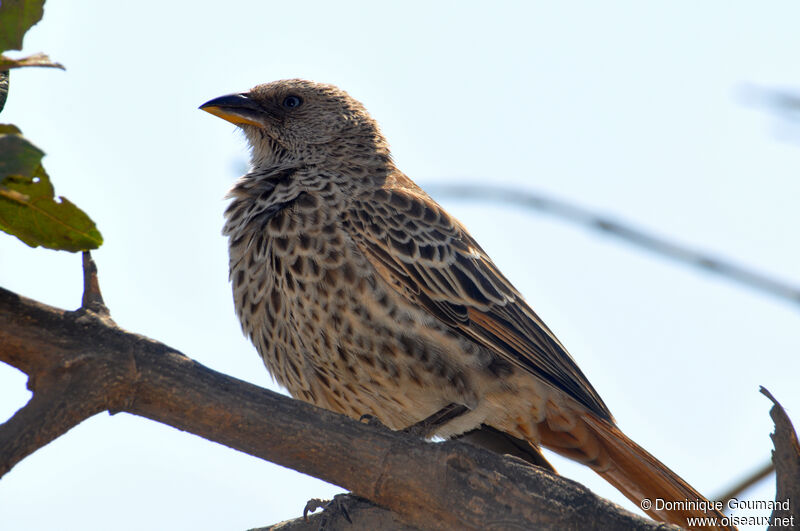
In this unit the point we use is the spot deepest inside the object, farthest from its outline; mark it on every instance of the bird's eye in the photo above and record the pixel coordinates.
(290, 102)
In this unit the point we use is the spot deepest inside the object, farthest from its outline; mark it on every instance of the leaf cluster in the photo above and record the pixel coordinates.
(29, 208)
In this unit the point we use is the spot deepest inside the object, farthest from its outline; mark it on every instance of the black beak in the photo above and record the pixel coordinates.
(237, 109)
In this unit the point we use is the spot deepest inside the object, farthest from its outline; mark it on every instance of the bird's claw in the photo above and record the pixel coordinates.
(330, 508)
(370, 420)
(312, 505)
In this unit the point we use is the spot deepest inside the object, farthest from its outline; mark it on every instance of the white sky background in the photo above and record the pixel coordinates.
(632, 109)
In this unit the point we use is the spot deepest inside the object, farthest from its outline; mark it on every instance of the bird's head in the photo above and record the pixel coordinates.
(301, 121)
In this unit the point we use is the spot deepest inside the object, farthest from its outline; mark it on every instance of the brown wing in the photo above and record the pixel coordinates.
(429, 258)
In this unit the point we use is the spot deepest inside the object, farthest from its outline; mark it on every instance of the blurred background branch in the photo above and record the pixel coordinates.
(736, 490)
(782, 103)
(629, 233)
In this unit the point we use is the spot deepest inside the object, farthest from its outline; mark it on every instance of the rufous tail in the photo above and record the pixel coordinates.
(642, 478)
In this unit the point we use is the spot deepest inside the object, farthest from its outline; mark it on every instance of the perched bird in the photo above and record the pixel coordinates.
(365, 297)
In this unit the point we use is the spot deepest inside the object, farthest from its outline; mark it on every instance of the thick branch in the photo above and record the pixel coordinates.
(462, 486)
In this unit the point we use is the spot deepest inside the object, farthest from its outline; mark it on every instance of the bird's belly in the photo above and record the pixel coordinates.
(334, 334)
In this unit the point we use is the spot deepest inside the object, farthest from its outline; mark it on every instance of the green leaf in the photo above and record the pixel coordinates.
(29, 209)
(16, 18)
(10, 129)
(19, 157)
(37, 59)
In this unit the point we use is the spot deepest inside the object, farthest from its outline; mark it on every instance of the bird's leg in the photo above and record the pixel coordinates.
(426, 427)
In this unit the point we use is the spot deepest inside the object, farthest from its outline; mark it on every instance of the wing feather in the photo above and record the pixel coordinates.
(431, 260)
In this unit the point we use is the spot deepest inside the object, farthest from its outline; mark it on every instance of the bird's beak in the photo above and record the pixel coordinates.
(237, 109)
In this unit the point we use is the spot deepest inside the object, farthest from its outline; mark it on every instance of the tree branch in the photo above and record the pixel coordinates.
(81, 363)
(745, 483)
(786, 458)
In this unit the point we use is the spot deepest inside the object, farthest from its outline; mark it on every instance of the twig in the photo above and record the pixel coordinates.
(92, 297)
(786, 458)
(640, 238)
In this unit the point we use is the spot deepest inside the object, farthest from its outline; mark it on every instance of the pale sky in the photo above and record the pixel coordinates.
(627, 108)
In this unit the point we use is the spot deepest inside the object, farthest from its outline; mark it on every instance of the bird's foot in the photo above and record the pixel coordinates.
(331, 509)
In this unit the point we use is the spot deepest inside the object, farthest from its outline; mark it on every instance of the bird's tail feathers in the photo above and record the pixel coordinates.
(642, 478)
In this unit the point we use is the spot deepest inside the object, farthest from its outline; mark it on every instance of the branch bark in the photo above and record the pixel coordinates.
(786, 458)
(81, 363)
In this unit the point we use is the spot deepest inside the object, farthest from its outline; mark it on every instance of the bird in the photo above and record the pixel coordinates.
(365, 297)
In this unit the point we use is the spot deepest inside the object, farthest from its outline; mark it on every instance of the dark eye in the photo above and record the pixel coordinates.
(290, 102)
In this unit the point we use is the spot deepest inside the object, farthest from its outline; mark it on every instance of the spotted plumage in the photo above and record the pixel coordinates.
(364, 296)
